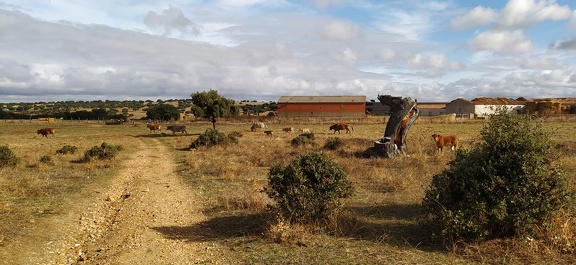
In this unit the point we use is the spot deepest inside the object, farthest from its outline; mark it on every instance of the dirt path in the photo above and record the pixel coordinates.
(146, 216)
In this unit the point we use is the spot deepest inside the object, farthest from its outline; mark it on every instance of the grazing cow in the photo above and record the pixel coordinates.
(153, 127)
(258, 125)
(269, 133)
(341, 126)
(305, 130)
(46, 131)
(289, 129)
(177, 128)
(444, 140)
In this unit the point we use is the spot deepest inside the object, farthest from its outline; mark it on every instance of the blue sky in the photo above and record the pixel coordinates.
(434, 51)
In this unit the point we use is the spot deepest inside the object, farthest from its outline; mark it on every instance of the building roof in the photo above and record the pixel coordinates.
(431, 105)
(497, 101)
(322, 99)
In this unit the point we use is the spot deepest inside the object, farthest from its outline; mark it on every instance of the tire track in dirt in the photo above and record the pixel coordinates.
(146, 216)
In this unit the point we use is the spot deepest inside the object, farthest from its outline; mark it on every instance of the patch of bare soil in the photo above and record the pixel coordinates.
(147, 215)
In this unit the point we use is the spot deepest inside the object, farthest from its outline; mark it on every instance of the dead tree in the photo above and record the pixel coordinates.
(404, 113)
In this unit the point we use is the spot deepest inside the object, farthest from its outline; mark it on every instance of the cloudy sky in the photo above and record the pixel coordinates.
(438, 50)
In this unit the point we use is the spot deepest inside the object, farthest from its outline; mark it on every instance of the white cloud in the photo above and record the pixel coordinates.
(476, 17)
(340, 30)
(502, 42)
(322, 4)
(523, 13)
(169, 20)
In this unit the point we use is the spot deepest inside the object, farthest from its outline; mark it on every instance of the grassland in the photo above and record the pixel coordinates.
(378, 225)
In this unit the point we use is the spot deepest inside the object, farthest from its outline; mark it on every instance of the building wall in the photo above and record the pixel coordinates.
(321, 109)
(431, 111)
(460, 106)
(485, 110)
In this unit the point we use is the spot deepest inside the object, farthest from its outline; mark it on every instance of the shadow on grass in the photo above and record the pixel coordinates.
(218, 228)
(394, 224)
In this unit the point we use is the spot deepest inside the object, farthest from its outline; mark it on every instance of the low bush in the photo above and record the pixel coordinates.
(46, 159)
(309, 189)
(212, 137)
(67, 149)
(303, 139)
(104, 151)
(7, 157)
(333, 143)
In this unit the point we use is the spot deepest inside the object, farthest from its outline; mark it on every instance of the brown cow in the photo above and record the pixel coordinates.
(341, 126)
(288, 129)
(444, 140)
(269, 133)
(154, 127)
(46, 131)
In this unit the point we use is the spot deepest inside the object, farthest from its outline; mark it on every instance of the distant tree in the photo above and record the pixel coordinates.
(100, 113)
(213, 106)
(162, 112)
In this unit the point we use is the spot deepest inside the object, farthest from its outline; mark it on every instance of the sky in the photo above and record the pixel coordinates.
(432, 51)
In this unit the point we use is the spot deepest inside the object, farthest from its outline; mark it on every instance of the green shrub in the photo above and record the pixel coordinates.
(309, 189)
(67, 149)
(333, 143)
(303, 139)
(502, 187)
(104, 151)
(234, 136)
(212, 137)
(7, 157)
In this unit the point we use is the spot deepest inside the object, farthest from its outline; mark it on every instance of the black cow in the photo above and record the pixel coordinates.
(177, 128)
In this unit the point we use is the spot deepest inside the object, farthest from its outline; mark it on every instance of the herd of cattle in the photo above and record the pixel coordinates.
(173, 128)
(440, 140)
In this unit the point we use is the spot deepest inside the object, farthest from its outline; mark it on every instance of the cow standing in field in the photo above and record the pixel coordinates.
(258, 125)
(445, 140)
(269, 133)
(46, 131)
(154, 127)
(305, 130)
(289, 129)
(177, 128)
(341, 126)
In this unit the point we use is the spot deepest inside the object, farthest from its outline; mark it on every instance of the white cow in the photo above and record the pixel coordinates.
(258, 125)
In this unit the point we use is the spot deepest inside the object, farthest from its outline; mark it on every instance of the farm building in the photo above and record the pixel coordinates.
(432, 108)
(321, 106)
(482, 107)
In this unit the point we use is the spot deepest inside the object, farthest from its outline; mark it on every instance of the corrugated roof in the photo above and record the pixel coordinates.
(497, 101)
(429, 105)
(321, 99)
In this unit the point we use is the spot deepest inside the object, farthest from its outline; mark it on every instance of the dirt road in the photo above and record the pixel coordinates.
(145, 216)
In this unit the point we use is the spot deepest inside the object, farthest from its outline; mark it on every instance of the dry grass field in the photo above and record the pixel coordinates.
(378, 224)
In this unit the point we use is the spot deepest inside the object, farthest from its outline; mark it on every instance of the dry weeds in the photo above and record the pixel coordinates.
(378, 225)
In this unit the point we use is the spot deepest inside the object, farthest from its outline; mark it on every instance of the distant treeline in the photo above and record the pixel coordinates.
(95, 114)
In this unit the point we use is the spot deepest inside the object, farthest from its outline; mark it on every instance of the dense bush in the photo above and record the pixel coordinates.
(303, 139)
(309, 189)
(333, 143)
(502, 187)
(7, 157)
(104, 151)
(212, 137)
(67, 149)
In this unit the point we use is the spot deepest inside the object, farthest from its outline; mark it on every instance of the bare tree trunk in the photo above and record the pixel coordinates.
(404, 113)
